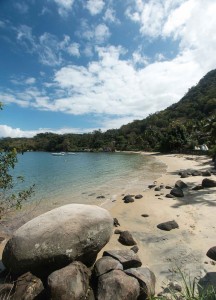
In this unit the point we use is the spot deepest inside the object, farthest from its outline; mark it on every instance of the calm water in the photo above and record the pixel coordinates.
(84, 176)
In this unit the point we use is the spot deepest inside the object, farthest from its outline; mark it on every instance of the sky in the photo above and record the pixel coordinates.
(75, 66)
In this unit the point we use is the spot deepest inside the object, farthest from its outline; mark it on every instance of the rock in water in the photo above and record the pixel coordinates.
(55, 239)
(117, 285)
(71, 282)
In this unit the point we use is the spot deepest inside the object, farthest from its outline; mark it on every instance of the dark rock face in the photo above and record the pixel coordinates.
(167, 226)
(28, 287)
(126, 238)
(212, 253)
(58, 237)
(138, 196)
(71, 282)
(181, 184)
(127, 258)
(169, 196)
(177, 192)
(146, 279)
(208, 183)
(117, 285)
(106, 264)
(206, 173)
(128, 199)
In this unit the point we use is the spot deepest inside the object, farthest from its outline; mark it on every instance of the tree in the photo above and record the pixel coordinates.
(8, 198)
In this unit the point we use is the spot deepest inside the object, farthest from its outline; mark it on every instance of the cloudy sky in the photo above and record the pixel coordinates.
(80, 65)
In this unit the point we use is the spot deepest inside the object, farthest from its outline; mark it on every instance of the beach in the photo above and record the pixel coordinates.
(183, 248)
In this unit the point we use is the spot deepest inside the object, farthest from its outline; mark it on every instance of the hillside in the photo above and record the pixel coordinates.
(183, 125)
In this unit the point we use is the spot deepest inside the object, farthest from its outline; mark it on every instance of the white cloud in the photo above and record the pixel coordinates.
(64, 6)
(30, 80)
(95, 6)
(102, 33)
(21, 7)
(73, 49)
(8, 131)
(2, 24)
(110, 16)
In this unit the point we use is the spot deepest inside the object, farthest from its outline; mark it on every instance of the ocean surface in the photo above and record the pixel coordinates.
(82, 177)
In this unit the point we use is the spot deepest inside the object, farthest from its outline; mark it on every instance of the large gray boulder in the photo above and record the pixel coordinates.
(117, 285)
(55, 239)
(71, 282)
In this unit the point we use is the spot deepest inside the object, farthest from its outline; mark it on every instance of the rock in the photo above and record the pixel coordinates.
(157, 195)
(157, 189)
(146, 279)
(169, 196)
(71, 282)
(206, 173)
(127, 197)
(129, 200)
(145, 215)
(151, 186)
(106, 264)
(168, 187)
(117, 285)
(167, 226)
(138, 196)
(118, 231)
(116, 222)
(162, 186)
(196, 173)
(184, 175)
(177, 192)
(135, 249)
(197, 187)
(127, 258)
(28, 287)
(208, 183)
(6, 290)
(212, 253)
(126, 238)
(58, 237)
(181, 184)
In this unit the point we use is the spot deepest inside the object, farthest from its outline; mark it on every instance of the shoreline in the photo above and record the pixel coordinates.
(184, 248)
(163, 252)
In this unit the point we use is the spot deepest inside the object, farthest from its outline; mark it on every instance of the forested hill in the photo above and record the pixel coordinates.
(183, 125)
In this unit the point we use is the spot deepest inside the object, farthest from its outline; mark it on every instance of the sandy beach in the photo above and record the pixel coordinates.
(185, 248)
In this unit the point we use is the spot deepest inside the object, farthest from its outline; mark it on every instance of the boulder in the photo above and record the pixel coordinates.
(212, 253)
(117, 285)
(126, 238)
(57, 238)
(28, 287)
(71, 282)
(106, 264)
(181, 184)
(208, 183)
(167, 226)
(177, 192)
(146, 279)
(206, 173)
(138, 196)
(127, 258)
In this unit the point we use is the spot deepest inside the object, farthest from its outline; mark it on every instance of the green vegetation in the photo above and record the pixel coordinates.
(180, 127)
(8, 198)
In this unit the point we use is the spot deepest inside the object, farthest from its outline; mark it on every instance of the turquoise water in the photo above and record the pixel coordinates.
(84, 176)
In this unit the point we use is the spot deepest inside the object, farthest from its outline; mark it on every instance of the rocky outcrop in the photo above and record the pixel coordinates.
(71, 282)
(117, 285)
(126, 239)
(146, 279)
(208, 183)
(167, 226)
(127, 258)
(57, 238)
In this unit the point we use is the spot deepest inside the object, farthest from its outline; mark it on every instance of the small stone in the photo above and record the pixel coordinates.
(126, 238)
(168, 187)
(116, 222)
(135, 249)
(167, 226)
(118, 231)
(177, 192)
(197, 187)
(157, 189)
(206, 173)
(138, 196)
(151, 186)
(100, 197)
(145, 215)
(169, 196)
(181, 184)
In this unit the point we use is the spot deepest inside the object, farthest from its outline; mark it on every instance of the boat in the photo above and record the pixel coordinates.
(71, 153)
(58, 154)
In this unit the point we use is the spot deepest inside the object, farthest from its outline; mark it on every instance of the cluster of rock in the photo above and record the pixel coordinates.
(130, 198)
(53, 257)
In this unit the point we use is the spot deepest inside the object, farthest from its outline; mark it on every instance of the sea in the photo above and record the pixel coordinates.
(85, 177)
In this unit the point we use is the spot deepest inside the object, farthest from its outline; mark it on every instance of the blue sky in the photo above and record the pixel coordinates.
(80, 65)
